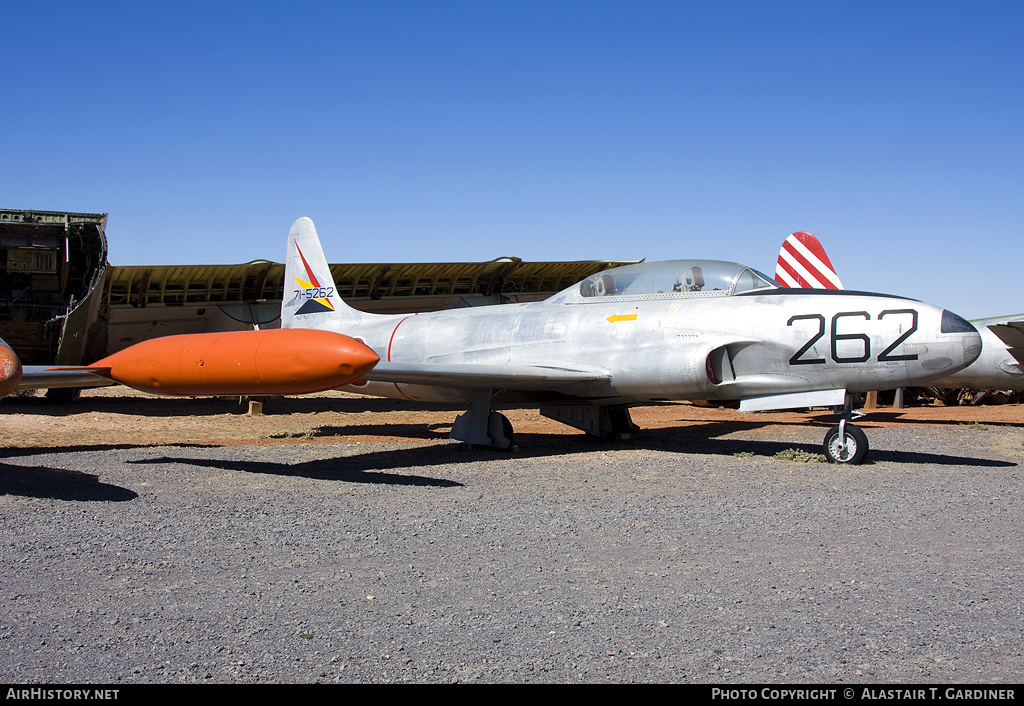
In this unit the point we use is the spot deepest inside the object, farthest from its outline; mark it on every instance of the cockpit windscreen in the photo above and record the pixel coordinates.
(686, 277)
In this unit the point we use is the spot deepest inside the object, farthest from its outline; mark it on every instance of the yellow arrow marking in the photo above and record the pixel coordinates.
(622, 317)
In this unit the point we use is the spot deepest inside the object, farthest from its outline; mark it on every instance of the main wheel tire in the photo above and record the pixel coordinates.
(856, 445)
(496, 422)
(506, 430)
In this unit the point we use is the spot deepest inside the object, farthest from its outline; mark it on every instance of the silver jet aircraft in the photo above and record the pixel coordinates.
(651, 332)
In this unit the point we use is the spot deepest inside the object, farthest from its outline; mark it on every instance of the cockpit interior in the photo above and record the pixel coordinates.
(674, 278)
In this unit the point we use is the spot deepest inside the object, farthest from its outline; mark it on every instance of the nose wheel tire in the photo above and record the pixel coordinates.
(854, 449)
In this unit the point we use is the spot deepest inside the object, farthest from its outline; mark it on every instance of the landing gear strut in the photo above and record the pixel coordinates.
(846, 443)
(481, 426)
(613, 423)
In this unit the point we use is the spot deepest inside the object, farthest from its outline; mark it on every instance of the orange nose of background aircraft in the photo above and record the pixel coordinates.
(10, 369)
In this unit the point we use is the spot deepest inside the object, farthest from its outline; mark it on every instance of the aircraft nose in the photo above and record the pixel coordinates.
(10, 369)
(953, 324)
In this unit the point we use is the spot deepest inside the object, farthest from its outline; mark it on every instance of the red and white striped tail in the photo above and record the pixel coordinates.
(803, 263)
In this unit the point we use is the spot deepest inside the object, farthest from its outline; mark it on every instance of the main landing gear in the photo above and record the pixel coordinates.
(481, 426)
(846, 443)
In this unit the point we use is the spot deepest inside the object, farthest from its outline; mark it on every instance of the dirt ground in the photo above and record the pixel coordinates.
(120, 417)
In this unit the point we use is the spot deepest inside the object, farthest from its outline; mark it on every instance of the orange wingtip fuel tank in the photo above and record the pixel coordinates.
(10, 369)
(271, 362)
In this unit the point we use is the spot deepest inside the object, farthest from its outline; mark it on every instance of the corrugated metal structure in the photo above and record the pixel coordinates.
(508, 277)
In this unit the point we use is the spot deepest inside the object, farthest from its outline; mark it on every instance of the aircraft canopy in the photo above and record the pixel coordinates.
(697, 278)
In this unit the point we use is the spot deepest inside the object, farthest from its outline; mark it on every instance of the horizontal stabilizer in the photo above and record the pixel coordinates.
(794, 400)
(498, 377)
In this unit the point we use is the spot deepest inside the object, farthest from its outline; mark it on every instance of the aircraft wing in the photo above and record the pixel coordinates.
(1012, 334)
(501, 377)
(36, 377)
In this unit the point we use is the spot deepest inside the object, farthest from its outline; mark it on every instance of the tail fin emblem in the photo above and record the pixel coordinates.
(317, 297)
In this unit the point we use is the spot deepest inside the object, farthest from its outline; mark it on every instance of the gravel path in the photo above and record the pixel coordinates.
(670, 557)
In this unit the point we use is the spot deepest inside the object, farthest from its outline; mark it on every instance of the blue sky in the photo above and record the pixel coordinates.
(464, 131)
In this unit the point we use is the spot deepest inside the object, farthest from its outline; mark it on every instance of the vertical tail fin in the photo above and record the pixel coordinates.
(803, 263)
(310, 296)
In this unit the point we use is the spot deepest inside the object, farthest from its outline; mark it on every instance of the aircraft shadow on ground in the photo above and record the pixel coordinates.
(371, 467)
(58, 484)
(737, 447)
(22, 451)
(208, 406)
(359, 468)
(899, 418)
(706, 437)
(403, 431)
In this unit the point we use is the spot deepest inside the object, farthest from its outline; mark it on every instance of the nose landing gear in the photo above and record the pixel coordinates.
(846, 443)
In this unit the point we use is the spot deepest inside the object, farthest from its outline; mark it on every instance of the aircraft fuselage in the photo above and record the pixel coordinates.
(666, 348)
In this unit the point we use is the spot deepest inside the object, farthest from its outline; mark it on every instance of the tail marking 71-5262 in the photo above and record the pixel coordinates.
(317, 297)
